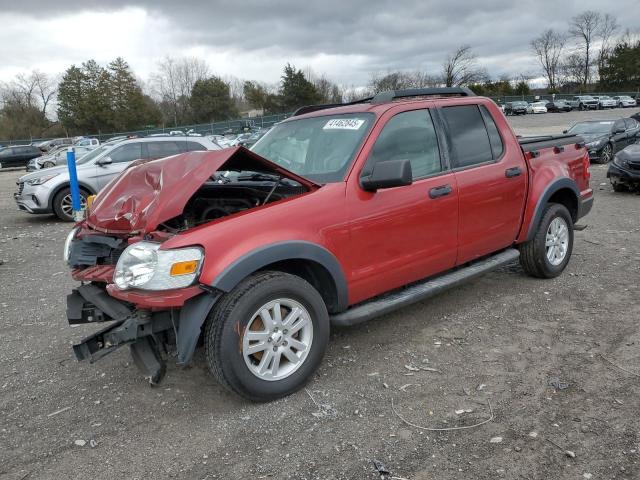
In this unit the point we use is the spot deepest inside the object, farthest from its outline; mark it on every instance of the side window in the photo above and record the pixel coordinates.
(468, 136)
(195, 147)
(630, 123)
(127, 153)
(163, 149)
(619, 125)
(409, 135)
(497, 147)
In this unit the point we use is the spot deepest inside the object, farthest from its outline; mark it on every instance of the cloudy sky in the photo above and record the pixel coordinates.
(252, 39)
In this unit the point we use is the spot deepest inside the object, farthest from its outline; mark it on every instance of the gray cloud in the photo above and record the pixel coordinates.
(347, 39)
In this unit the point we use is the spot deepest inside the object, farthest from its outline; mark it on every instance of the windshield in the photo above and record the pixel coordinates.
(94, 154)
(318, 148)
(591, 127)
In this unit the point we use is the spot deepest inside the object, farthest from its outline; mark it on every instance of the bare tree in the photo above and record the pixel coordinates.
(461, 68)
(548, 50)
(380, 82)
(173, 84)
(608, 28)
(585, 28)
(572, 71)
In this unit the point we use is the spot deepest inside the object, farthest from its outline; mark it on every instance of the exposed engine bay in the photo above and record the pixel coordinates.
(229, 192)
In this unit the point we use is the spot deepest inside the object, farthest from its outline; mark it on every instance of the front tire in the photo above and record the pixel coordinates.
(607, 153)
(266, 338)
(619, 187)
(62, 205)
(547, 254)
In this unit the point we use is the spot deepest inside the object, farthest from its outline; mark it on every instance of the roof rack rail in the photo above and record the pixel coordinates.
(315, 108)
(384, 97)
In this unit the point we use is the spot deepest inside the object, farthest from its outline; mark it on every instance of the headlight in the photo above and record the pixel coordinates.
(67, 244)
(595, 144)
(143, 265)
(620, 162)
(41, 180)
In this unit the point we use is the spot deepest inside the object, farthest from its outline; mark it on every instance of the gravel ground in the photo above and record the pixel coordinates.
(535, 357)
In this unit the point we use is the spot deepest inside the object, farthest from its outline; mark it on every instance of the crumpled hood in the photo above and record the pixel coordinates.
(151, 193)
(593, 137)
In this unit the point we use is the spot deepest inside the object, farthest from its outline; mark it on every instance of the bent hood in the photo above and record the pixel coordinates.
(148, 194)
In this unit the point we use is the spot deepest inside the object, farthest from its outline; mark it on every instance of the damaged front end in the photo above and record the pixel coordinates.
(150, 295)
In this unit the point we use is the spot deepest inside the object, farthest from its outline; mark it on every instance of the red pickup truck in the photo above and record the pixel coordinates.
(339, 214)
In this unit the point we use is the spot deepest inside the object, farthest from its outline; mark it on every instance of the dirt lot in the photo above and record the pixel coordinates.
(541, 353)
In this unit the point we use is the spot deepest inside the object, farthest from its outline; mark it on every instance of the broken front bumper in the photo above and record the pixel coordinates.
(147, 332)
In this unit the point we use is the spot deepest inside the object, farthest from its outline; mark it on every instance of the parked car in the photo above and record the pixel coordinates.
(515, 108)
(48, 145)
(88, 142)
(34, 163)
(558, 106)
(623, 101)
(605, 101)
(624, 171)
(47, 191)
(584, 102)
(18, 155)
(606, 137)
(59, 157)
(537, 107)
(336, 216)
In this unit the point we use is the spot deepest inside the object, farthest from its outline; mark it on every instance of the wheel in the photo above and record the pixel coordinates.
(548, 253)
(266, 338)
(62, 205)
(48, 164)
(607, 153)
(619, 187)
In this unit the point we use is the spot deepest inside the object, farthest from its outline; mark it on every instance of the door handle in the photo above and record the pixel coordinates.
(513, 172)
(441, 191)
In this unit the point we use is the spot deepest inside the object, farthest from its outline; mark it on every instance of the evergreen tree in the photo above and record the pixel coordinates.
(621, 69)
(211, 101)
(295, 90)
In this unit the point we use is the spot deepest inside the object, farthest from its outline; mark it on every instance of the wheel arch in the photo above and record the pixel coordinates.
(62, 186)
(563, 191)
(307, 260)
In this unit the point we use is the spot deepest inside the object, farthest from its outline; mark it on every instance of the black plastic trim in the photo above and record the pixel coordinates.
(555, 186)
(530, 144)
(384, 97)
(276, 252)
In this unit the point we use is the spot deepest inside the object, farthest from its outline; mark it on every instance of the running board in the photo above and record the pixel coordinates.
(421, 291)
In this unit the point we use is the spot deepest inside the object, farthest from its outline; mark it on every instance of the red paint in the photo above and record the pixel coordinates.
(382, 239)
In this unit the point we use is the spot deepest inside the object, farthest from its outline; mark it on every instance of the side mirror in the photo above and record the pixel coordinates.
(389, 174)
(104, 161)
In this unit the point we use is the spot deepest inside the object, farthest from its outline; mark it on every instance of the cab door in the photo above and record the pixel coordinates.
(402, 234)
(491, 175)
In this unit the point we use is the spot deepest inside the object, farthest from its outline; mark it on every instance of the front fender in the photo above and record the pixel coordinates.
(277, 252)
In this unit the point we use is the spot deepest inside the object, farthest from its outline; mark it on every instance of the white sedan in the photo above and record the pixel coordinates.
(624, 101)
(537, 107)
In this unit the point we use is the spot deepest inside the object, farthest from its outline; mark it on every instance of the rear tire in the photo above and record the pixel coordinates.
(250, 369)
(547, 254)
(48, 165)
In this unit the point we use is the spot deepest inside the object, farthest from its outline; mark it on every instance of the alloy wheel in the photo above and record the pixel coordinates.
(277, 339)
(557, 241)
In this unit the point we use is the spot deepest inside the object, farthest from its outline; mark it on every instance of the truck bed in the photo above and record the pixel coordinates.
(538, 142)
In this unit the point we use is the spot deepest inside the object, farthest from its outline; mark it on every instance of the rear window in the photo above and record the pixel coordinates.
(468, 136)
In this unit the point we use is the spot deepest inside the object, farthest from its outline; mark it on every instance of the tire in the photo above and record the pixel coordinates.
(619, 187)
(236, 315)
(607, 154)
(534, 257)
(48, 165)
(61, 203)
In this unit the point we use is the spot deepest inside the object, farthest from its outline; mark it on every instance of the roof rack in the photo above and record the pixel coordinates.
(384, 97)
(315, 108)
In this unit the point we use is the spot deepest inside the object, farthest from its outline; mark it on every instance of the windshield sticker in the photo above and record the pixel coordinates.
(343, 124)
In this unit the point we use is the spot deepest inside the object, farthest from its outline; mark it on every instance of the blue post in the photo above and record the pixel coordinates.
(73, 182)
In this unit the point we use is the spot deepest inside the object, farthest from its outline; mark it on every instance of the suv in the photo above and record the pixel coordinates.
(47, 190)
(18, 155)
(584, 102)
(605, 101)
(337, 215)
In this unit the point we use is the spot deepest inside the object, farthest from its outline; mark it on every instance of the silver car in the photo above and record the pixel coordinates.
(47, 190)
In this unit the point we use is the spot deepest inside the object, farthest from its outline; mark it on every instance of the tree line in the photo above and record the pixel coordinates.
(90, 98)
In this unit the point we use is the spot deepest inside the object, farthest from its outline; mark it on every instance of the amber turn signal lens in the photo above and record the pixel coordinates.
(90, 200)
(184, 268)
